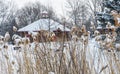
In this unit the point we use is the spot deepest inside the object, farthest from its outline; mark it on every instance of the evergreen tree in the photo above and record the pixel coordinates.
(105, 16)
(112, 5)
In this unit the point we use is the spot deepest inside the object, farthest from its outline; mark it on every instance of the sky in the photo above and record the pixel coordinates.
(58, 5)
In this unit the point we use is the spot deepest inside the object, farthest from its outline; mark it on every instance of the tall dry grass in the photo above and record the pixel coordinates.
(65, 57)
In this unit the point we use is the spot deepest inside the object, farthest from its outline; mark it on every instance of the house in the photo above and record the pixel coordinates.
(47, 25)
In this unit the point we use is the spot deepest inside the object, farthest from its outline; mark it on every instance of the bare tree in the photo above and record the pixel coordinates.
(28, 14)
(94, 6)
(7, 15)
(33, 12)
(77, 11)
(7, 10)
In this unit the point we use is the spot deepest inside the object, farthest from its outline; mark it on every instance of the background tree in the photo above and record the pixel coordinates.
(112, 5)
(77, 11)
(105, 16)
(7, 16)
(33, 12)
(94, 6)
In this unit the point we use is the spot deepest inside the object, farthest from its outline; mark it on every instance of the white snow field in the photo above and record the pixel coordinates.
(44, 58)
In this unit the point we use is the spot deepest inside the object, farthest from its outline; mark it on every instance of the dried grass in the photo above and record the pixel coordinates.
(72, 58)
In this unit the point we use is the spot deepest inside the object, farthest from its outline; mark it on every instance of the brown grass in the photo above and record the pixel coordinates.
(71, 58)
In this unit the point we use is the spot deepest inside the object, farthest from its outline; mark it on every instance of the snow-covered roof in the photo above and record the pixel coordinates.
(43, 24)
(45, 12)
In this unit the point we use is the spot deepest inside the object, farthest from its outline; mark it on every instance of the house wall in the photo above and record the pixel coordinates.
(45, 36)
(61, 34)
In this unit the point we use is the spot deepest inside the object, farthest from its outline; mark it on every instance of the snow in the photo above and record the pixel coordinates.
(43, 24)
(99, 27)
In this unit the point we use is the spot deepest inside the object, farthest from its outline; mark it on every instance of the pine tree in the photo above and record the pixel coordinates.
(104, 17)
(112, 5)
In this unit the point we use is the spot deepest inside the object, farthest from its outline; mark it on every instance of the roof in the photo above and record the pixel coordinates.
(43, 24)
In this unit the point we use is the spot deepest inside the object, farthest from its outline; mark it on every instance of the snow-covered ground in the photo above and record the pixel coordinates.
(100, 61)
